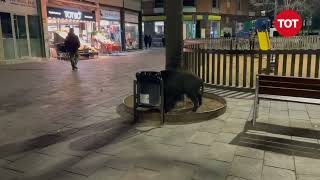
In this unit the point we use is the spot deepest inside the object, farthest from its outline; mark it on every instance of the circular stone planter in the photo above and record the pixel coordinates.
(212, 106)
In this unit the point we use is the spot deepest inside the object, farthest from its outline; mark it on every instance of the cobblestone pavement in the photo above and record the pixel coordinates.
(57, 124)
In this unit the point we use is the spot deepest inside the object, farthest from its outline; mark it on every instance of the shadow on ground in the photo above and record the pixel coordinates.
(280, 141)
(103, 133)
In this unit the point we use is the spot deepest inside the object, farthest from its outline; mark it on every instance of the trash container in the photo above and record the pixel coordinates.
(148, 91)
(149, 88)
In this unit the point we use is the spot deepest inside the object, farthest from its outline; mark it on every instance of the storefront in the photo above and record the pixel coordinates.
(20, 32)
(61, 20)
(194, 26)
(131, 30)
(109, 34)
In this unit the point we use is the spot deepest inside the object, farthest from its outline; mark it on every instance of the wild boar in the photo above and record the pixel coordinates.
(180, 83)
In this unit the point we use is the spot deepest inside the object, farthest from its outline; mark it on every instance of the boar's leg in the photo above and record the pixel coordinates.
(200, 99)
(169, 103)
(195, 101)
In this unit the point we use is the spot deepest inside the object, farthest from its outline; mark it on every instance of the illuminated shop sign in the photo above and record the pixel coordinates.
(70, 14)
(110, 15)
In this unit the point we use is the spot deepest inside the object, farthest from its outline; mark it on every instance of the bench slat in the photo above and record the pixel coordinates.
(289, 85)
(305, 93)
(290, 79)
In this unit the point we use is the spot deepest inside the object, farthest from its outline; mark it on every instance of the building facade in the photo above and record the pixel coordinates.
(20, 30)
(103, 26)
(202, 18)
(36, 28)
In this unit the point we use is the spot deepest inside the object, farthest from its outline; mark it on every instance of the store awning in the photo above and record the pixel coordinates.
(185, 18)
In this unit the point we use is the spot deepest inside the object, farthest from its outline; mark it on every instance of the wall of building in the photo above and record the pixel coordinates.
(204, 5)
(132, 4)
(116, 3)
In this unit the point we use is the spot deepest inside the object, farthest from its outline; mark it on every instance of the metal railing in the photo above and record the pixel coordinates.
(238, 68)
(277, 43)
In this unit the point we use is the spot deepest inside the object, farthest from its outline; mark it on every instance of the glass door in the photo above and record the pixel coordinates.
(7, 36)
(35, 36)
(21, 36)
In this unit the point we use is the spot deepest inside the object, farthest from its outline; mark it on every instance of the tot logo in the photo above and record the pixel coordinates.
(288, 23)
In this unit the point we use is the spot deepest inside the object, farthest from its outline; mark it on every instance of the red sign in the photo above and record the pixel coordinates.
(288, 23)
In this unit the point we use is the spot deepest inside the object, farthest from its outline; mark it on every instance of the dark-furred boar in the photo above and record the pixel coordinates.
(180, 83)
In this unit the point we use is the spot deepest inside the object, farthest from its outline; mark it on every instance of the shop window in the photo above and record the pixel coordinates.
(188, 3)
(132, 36)
(159, 27)
(215, 3)
(159, 3)
(34, 27)
(6, 25)
(20, 27)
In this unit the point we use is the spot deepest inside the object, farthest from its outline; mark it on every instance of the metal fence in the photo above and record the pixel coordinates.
(277, 43)
(238, 68)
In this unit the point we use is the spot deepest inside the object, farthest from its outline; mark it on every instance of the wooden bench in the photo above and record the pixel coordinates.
(301, 90)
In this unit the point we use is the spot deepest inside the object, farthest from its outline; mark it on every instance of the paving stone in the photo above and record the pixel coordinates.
(203, 138)
(271, 173)
(298, 115)
(236, 120)
(140, 173)
(159, 132)
(222, 152)
(300, 124)
(279, 105)
(3, 162)
(176, 138)
(249, 152)
(297, 106)
(63, 175)
(263, 118)
(247, 168)
(279, 121)
(212, 126)
(314, 114)
(276, 113)
(226, 137)
(37, 165)
(66, 147)
(246, 108)
(120, 163)
(106, 173)
(265, 103)
(211, 169)
(279, 160)
(7, 174)
(192, 153)
(231, 127)
(178, 171)
(240, 114)
(307, 166)
(264, 110)
(89, 164)
(307, 177)
(235, 178)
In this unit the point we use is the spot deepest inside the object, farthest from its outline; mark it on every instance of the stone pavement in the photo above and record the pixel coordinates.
(57, 124)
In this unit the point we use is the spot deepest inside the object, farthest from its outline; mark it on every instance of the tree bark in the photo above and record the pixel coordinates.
(173, 33)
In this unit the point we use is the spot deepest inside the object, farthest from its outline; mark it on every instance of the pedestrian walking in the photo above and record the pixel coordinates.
(72, 44)
(150, 41)
(145, 39)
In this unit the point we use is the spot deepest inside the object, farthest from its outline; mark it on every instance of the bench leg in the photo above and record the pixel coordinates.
(256, 103)
(255, 110)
